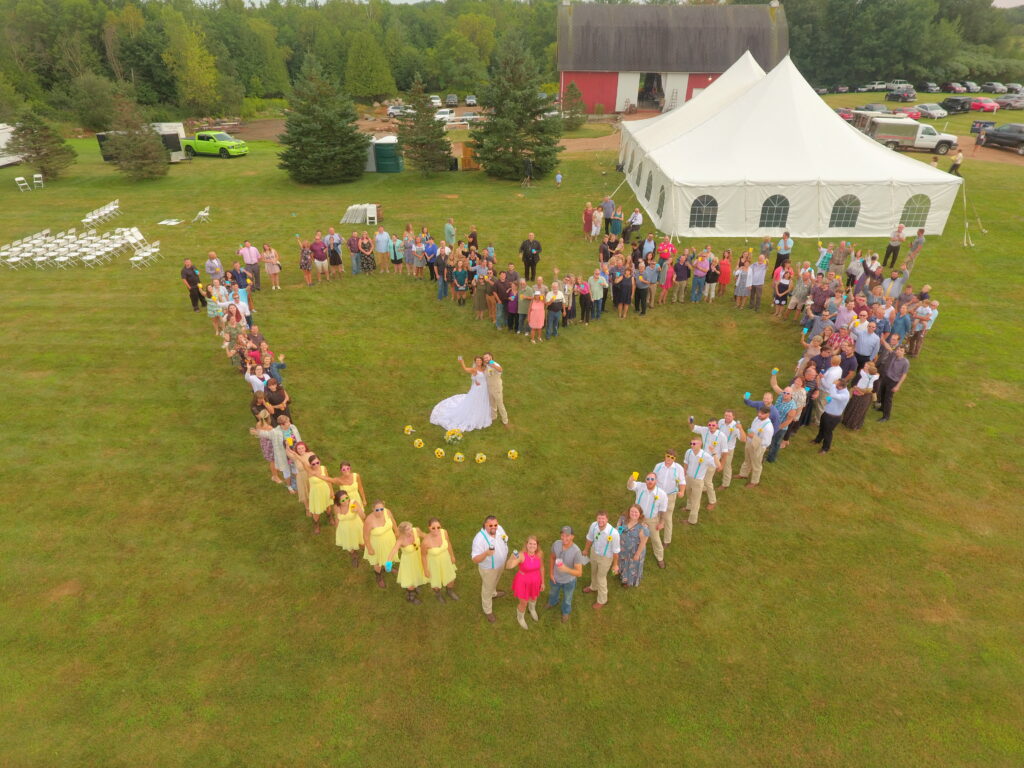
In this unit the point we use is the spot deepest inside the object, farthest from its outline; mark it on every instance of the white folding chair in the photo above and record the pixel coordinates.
(64, 260)
(371, 213)
(15, 260)
(37, 181)
(22, 184)
(202, 216)
(41, 260)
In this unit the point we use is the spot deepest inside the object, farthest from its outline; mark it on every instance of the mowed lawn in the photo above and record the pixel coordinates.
(164, 604)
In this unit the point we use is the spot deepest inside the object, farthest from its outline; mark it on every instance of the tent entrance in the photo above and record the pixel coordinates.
(652, 92)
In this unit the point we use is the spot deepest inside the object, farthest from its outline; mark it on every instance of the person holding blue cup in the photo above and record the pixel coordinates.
(380, 534)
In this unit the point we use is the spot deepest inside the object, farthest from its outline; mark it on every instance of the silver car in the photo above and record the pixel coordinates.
(932, 111)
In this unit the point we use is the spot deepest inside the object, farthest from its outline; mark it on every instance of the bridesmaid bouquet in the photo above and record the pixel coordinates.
(408, 429)
(513, 454)
(453, 436)
(459, 458)
(439, 452)
(480, 458)
(417, 443)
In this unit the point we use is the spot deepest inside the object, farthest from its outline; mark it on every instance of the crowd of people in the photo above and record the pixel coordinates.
(857, 328)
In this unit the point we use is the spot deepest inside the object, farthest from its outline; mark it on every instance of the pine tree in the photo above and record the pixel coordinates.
(322, 143)
(421, 137)
(137, 150)
(517, 136)
(574, 110)
(367, 73)
(40, 146)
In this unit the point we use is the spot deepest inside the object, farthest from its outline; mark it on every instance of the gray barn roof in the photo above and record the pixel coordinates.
(676, 38)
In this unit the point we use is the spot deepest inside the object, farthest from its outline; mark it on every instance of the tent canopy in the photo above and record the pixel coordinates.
(774, 156)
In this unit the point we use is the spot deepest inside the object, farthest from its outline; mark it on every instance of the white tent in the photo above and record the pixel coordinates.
(775, 157)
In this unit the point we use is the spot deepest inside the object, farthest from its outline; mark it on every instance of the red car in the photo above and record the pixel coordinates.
(982, 104)
(911, 112)
(845, 113)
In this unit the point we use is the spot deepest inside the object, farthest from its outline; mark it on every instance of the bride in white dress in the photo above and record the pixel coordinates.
(469, 411)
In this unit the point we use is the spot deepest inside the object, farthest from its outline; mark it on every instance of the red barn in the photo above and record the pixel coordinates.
(657, 56)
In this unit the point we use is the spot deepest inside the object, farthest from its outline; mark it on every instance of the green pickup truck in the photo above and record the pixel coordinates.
(214, 143)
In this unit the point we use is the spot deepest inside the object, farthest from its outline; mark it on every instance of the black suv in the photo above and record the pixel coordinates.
(929, 88)
(904, 93)
(956, 104)
(1010, 135)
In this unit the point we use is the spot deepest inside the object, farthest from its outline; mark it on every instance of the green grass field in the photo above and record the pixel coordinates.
(586, 131)
(164, 604)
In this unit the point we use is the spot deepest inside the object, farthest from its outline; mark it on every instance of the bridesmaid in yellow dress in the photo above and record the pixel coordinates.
(300, 458)
(410, 569)
(352, 482)
(380, 534)
(348, 517)
(439, 560)
(320, 492)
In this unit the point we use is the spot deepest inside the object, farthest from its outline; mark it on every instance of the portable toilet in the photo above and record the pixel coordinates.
(388, 158)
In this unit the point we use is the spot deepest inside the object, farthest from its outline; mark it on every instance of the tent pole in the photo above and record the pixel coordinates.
(967, 225)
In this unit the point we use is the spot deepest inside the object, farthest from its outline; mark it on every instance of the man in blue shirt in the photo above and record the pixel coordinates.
(382, 248)
(785, 249)
(647, 279)
(608, 209)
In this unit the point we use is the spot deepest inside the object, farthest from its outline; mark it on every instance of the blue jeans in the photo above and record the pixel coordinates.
(598, 306)
(698, 288)
(551, 327)
(776, 444)
(275, 372)
(356, 266)
(499, 316)
(442, 289)
(561, 593)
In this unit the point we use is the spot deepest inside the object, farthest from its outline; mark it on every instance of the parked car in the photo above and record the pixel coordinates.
(396, 110)
(820, 90)
(471, 100)
(972, 87)
(1010, 135)
(214, 143)
(892, 85)
(933, 111)
(447, 114)
(955, 105)
(953, 87)
(875, 108)
(1013, 101)
(911, 112)
(451, 100)
(877, 85)
(840, 89)
(1014, 87)
(897, 133)
(435, 100)
(929, 87)
(993, 87)
(904, 93)
(983, 104)
(470, 117)
(845, 112)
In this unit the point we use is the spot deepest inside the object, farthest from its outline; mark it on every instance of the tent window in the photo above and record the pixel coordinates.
(845, 212)
(774, 212)
(632, 160)
(915, 211)
(650, 186)
(704, 212)
(661, 202)
(639, 173)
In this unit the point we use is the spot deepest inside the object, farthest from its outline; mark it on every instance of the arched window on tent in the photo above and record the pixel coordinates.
(774, 212)
(632, 161)
(845, 212)
(639, 173)
(915, 211)
(704, 212)
(650, 186)
(661, 202)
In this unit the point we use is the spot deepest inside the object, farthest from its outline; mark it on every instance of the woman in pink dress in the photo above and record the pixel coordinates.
(536, 316)
(528, 582)
(588, 222)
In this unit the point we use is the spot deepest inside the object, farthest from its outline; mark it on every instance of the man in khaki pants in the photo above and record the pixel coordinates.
(490, 551)
(756, 440)
(603, 539)
(495, 393)
(713, 441)
(731, 430)
(672, 480)
(652, 502)
(700, 469)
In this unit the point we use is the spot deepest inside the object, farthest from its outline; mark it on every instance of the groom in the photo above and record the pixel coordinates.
(493, 372)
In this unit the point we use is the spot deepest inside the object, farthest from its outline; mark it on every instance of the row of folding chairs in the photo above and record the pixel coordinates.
(24, 186)
(146, 256)
(103, 214)
(87, 250)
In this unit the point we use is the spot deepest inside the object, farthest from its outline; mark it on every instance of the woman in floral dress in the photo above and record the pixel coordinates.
(633, 535)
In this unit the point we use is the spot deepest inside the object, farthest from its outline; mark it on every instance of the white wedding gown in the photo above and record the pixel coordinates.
(466, 412)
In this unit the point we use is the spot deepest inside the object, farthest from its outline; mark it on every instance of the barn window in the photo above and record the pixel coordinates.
(915, 211)
(845, 212)
(650, 186)
(704, 212)
(661, 202)
(639, 172)
(774, 212)
(632, 161)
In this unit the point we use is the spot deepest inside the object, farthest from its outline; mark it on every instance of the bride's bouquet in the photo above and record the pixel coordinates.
(453, 436)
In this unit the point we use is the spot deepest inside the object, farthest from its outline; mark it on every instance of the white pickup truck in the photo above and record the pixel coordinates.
(904, 133)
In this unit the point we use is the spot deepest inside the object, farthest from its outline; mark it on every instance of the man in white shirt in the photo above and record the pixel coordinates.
(490, 551)
(836, 398)
(603, 550)
(652, 501)
(636, 220)
(712, 441)
(672, 480)
(756, 440)
(700, 467)
(731, 430)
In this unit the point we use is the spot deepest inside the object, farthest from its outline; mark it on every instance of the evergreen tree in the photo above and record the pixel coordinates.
(517, 130)
(574, 111)
(421, 137)
(367, 73)
(322, 143)
(40, 146)
(137, 150)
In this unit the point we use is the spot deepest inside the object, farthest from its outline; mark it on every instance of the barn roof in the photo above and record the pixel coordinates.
(595, 37)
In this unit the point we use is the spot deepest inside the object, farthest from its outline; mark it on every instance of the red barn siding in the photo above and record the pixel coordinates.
(596, 87)
(700, 80)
